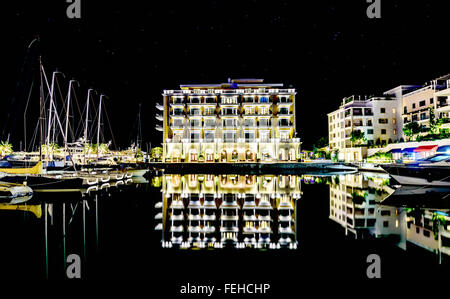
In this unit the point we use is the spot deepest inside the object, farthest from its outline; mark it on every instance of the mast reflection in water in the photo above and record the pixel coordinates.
(213, 211)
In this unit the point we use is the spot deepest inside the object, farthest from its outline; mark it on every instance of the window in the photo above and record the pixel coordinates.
(426, 233)
(369, 131)
(382, 121)
(195, 136)
(195, 100)
(229, 123)
(178, 111)
(394, 121)
(414, 106)
(229, 111)
(283, 110)
(210, 111)
(422, 103)
(382, 110)
(405, 110)
(264, 99)
(196, 122)
(210, 100)
(423, 116)
(248, 99)
(283, 99)
(414, 117)
(177, 100)
(383, 131)
(431, 100)
(195, 111)
(394, 111)
(210, 122)
(178, 122)
(369, 122)
(395, 131)
(385, 223)
(249, 122)
(385, 213)
(229, 136)
(284, 122)
(249, 136)
(264, 122)
(209, 136)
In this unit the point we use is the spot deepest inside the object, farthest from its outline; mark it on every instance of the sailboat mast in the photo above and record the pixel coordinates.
(42, 111)
(50, 109)
(139, 136)
(99, 123)
(67, 113)
(87, 116)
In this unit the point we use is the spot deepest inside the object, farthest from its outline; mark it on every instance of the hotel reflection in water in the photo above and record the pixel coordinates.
(217, 211)
(354, 204)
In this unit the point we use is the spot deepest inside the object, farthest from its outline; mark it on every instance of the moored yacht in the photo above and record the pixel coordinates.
(431, 171)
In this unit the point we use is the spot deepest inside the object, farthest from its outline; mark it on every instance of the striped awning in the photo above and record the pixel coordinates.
(425, 148)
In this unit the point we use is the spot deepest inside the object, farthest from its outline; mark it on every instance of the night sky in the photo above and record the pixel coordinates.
(131, 51)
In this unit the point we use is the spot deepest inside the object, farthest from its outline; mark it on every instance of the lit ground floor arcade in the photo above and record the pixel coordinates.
(288, 151)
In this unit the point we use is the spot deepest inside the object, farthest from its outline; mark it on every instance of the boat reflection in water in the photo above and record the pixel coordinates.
(366, 206)
(217, 211)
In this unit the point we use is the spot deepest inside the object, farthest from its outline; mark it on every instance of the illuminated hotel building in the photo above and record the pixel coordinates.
(244, 120)
(215, 211)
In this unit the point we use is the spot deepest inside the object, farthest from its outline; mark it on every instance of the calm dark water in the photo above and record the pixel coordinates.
(333, 225)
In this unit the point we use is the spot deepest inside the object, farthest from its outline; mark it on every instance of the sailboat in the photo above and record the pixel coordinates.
(36, 169)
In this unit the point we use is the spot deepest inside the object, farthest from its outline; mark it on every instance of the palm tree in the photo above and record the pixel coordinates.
(357, 136)
(50, 149)
(6, 148)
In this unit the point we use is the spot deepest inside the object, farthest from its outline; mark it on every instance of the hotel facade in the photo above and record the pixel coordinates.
(243, 120)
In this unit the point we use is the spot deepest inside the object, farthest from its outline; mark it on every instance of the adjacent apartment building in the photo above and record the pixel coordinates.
(383, 118)
(375, 116)
(243, 120)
